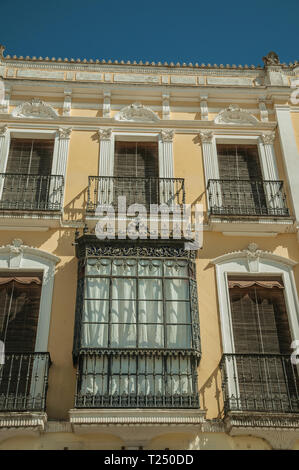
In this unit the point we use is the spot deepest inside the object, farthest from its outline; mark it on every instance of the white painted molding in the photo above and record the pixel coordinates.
(67, 105)
(4, 104)
(19, 257)
(165, 106)
(106, 104)
(234, 115)
(264, 114)
(209, 155)
(106, 162)
(35, 108)
(204, 110)
(166, 164)
(290, 154)
(61, 150)
(253, 262)
(136, 112)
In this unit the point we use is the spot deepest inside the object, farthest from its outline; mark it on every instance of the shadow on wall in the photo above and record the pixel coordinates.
(76, 209)
(210, 391)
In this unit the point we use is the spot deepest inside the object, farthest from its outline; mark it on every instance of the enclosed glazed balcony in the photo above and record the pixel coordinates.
(136, 379)
(247, 198)
(24, 382)
(260, 383)
(105, 190)
(27, 192)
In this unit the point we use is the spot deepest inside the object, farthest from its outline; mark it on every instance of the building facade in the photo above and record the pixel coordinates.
(129, 343)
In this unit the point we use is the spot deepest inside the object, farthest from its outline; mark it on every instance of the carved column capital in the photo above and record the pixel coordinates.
(64, 133)
(206, 136)
(269, 138)
(3, 130)
(167, 135)
(105, 134)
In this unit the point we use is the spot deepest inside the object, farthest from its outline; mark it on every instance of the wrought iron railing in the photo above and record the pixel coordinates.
(31, 192)
(247, 198)
(260, 382)
(105, 190)
(130, 379)
(24, 381)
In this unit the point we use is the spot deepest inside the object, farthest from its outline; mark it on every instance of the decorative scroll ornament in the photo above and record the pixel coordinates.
(167, 135)
(64, 133)
(235, 115)
(271, 59)
(104, 134)
(136, 112)
(15, 253)
(268, 139)
(3, 130)
(206, 136)
(35, 109)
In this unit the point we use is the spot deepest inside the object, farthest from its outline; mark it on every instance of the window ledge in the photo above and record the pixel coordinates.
(250, 225)
(33, 422)
(281, 430)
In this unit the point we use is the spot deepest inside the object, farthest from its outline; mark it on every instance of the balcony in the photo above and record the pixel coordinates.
(136, 379)
(263, 383)
(33, 202)
(246, 206)
(105, 190)
(24, 382)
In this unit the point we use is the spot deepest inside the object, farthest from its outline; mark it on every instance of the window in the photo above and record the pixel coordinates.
(21, 376)
(137, 336)
(27, 183)
(266, 379)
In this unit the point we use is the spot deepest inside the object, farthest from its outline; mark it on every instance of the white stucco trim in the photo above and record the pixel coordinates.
(254, 263)
(19, 257)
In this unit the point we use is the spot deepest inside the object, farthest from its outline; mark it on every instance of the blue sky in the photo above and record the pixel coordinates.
(228, 32)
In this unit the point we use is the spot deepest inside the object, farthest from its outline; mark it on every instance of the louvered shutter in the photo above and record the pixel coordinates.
(136, 163)
(26, 185)
(260, 326)
(244, 193)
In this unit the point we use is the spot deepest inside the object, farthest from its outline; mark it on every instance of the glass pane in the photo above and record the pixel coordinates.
(91, 383)
(94, 335)
(124, 289)
(97, 288)
(176, 268)
(150, 311)
(151, 336)
(95, 311)
(124, 267)
(97, 267)
(178, 312)
(150, 268)
(123, 311)
(150, 289)
(178, 337)
(123, 336)
(176, 289)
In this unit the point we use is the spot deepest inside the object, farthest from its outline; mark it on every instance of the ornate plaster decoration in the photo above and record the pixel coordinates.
(2, 49)
(64, 132)
(35, 109)
(268, 138)
(236, 116)
(206, 136)
(136, 112)
(271, 59)
(3, 130)
(16, 250)
(67, 105)
(253, 254)
(167, 135)
(105, 134)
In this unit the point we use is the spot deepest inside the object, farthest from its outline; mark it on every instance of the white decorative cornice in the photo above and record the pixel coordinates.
(206, 136)
(35, 109)
(67, 105)
(17, 250)
(106, 104)
(167, 135)
(204, 110)
(64, 132)
(104, 134)
(136, 112)
(253, 255)
(234, 115)
(269, 138)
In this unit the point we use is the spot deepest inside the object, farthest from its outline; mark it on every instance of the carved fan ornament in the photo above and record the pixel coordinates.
(136, 112)
(235, 115)
(35, 108)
